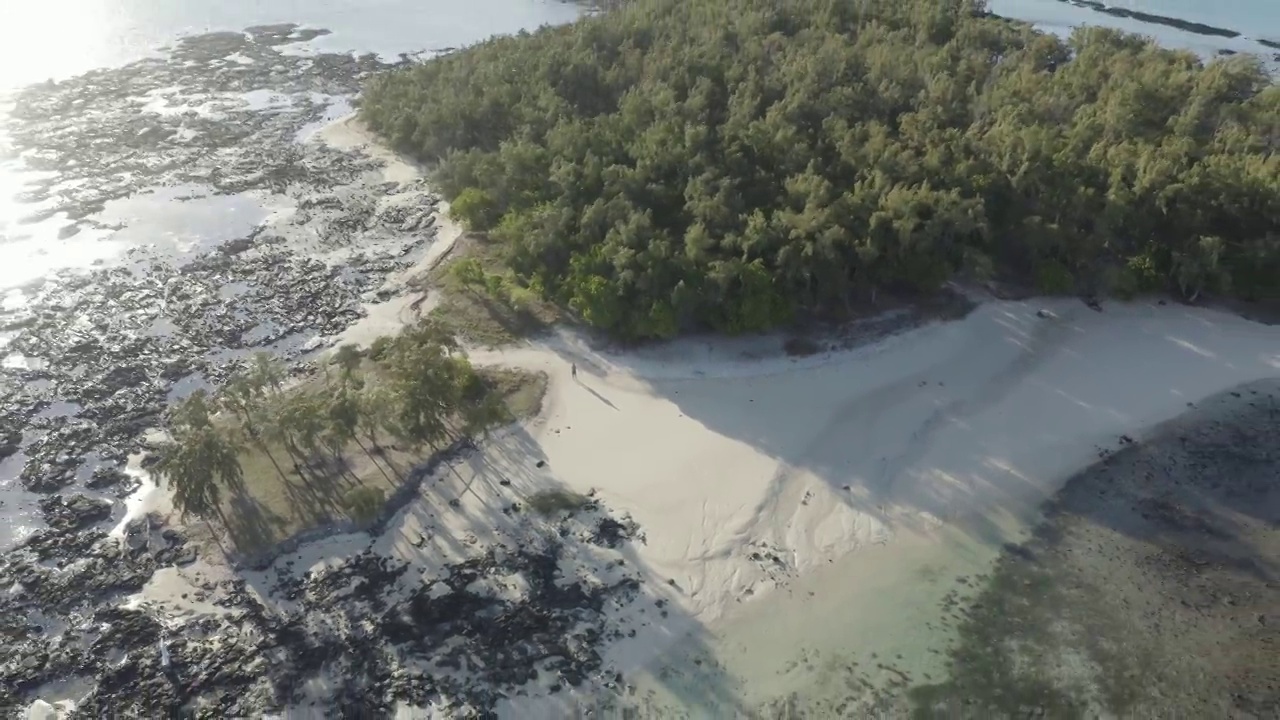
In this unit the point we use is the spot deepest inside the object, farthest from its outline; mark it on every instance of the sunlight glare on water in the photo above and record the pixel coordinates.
(56, 38)
(32, 250)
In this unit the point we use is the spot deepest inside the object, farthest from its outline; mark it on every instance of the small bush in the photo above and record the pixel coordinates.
(475, 208)
(378, 349)
(801, 347)
(551, 502)
(364, 504)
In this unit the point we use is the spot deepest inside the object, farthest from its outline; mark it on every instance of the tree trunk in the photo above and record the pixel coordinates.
(301, 462)
(374, 461)
(343, 468)
(274, 463)
(217, 539)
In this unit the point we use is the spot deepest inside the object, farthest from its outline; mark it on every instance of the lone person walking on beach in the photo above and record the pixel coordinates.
(573, 370)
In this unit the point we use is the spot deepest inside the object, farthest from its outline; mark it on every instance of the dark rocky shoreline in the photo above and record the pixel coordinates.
(97, 355)
(344, 625)
(107, 349)
(1166, 20)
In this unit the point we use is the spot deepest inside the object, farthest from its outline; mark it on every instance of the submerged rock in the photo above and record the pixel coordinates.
(73, 513)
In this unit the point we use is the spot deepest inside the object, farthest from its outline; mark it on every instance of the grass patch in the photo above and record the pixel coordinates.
(280, 499)
(521, 391)
(553, 502)
(487, 306)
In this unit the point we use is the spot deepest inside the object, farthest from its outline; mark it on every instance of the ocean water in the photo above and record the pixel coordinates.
(1253, 19)
(59, 38)
(40, 41)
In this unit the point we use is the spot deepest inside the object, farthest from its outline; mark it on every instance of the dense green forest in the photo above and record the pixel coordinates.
(678, 164)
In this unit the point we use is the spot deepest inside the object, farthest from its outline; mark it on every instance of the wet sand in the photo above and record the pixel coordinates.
(1151, 589)
(1040, 599)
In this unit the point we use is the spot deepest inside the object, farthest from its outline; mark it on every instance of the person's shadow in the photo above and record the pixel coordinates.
(599, 397)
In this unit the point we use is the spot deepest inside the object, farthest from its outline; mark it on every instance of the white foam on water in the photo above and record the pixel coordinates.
(148, 497)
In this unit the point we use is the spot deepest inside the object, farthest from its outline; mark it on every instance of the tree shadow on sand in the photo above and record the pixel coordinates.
(975, 417)
(480, 501)
(249, 524)
(516, 465)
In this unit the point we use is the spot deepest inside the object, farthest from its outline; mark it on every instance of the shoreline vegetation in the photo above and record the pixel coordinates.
(275, 461)
(737, 166)
(482, 301)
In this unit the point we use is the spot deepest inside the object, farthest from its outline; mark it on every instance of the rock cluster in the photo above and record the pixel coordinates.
(379, 631)
(94, 357)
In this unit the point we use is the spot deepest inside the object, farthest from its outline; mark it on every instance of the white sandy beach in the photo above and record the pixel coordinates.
(844, 478)
(954, 432)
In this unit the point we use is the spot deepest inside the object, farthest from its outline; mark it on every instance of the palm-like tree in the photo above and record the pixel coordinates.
(427, 378)
(348, 358)
(245, 397)
(378, 414)
(485, 414)
(364, 504)
(200, 458)
(345, 418)
(241, 396)
(193, 488)
(267, 373)
(193, 412)
(300, 418)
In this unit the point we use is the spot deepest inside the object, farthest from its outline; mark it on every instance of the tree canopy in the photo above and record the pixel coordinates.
(728, 164)
(421, 392)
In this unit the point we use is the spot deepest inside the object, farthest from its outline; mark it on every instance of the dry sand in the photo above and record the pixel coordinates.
(803, 515)
(405, 304)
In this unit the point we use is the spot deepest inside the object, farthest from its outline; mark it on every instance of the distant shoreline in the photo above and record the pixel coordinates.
(1170, 21)
(1192, 27)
